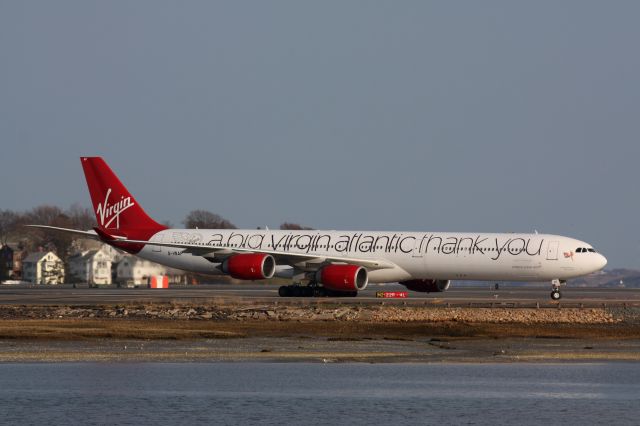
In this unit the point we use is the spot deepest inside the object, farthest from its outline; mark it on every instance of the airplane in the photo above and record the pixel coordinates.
(331, 263)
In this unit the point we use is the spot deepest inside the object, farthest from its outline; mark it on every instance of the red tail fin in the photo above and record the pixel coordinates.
(116, 209)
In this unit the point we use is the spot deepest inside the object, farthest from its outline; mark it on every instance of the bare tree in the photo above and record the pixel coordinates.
(81, 217)
(206, 219)
(294, 227)
(48, 215)
(8, 223)
(59, 242)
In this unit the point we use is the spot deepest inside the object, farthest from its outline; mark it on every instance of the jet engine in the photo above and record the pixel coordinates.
(250, 266)
(427, 286)
(344, 278)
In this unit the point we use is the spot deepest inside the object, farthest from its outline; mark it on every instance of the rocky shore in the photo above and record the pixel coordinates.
(190, 320)
(377, 314)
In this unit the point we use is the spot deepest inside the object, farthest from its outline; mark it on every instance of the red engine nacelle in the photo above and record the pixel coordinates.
(343, 277)
(250, 266)
(427, 286)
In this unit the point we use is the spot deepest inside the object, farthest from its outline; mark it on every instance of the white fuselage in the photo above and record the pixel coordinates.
(416, 255)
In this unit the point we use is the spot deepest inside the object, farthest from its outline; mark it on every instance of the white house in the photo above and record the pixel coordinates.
(133, 271)
(84, 245)
(43, 268)
(92, 267)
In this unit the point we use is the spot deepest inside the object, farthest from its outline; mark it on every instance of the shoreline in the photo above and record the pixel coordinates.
(184, 332)
(323, 350)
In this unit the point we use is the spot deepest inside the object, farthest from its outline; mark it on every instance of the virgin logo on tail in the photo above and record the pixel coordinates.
(111, 212)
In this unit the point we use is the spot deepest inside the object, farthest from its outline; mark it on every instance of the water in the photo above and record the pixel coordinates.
(299, 393)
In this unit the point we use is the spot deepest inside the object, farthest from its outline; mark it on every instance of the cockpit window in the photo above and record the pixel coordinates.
(585, 250)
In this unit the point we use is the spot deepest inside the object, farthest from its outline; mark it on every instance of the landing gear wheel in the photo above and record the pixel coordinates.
(283, 291)
(295, 291)
(320, 292)
(555, 288)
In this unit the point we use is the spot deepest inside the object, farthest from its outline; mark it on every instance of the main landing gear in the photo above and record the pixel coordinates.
(312, 291)
(555, 289)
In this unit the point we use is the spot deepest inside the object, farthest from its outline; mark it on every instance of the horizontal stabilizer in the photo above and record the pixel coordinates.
(86, 234)
(105, 236)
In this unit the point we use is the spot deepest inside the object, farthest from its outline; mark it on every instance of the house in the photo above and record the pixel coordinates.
(6, 262)
(133, 271)
(43, 268)
(92, 267)
(19, 254)
(85, 245)
(11, 255)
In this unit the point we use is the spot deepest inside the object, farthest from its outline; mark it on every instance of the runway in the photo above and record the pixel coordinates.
(262, 293)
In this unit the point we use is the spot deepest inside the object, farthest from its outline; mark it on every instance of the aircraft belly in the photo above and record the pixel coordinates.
(470, 267)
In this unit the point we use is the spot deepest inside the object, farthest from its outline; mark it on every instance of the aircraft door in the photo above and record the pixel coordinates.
(552, 250)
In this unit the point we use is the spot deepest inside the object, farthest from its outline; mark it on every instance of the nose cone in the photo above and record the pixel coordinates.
(601, 262)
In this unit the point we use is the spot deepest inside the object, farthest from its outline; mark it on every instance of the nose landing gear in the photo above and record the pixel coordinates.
(555, 289)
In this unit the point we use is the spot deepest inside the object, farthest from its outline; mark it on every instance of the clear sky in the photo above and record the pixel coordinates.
(382, 115)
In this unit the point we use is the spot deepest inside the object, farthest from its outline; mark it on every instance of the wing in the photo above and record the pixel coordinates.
(301, 260)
